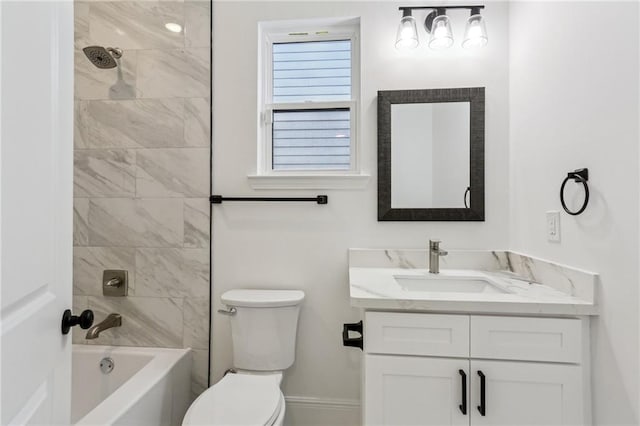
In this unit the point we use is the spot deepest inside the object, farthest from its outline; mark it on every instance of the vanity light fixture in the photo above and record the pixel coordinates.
(438, 26)
(407, 37)
(475, 32)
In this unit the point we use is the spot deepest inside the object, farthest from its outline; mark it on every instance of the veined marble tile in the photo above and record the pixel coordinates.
(80, 126)
(572, 281)
(146, 321)
(79, 304)
(391, 258)
(197, 122)
(197, 19)
(81, 24)
(151, 123)
(80, 221)
(90, 262)
(565, 279)
(196, 323)
(124, 222)
(181, 73)
(172, 172)
(199, 372)
(115, 83)
(137, 24)
(104, 173)
(196, 222)
(418, 259)
(172, 272)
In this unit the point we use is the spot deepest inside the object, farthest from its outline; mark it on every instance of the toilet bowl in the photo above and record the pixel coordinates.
(263, 329)
(241, 399)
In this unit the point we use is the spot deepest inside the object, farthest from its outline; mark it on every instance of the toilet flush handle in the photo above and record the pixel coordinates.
(230, 311)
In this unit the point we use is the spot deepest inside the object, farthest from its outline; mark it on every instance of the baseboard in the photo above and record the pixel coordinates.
(310, 411)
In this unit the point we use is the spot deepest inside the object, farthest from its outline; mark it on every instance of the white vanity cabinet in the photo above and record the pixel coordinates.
(428, 369)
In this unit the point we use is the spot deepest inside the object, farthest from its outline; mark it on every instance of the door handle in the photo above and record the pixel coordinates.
(85, 320)
(482, 408)
(463, 379)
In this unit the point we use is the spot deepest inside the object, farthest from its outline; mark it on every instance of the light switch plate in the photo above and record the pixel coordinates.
(553, 226)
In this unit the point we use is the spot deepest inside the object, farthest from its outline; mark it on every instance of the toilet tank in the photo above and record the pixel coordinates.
(263, 328)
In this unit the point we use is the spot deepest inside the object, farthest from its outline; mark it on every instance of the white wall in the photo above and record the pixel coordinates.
(574, 103)
(305, 245)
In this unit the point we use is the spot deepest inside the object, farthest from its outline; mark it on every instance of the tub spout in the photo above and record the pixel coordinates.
(112, 320)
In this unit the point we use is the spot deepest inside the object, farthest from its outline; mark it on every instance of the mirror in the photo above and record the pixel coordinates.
(431, 154)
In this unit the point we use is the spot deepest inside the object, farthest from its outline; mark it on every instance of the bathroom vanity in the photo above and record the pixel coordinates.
(497, 338)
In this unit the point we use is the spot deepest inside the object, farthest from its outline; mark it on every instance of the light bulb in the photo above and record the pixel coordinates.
(475, 33)
(407, 36)
(441, 34)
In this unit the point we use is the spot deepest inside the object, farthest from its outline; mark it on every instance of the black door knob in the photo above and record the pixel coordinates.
(85, 320)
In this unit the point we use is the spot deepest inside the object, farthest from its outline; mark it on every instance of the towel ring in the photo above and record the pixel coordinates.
(578, 176)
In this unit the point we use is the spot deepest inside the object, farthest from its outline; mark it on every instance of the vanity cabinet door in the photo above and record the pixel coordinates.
(526, 394)
(402, 390)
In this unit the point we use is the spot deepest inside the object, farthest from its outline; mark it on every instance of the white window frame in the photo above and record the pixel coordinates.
(289, 32)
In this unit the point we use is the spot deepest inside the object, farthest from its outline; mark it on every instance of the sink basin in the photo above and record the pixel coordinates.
(447, 284)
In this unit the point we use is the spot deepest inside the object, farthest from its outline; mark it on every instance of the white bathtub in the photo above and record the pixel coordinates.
(148, 386)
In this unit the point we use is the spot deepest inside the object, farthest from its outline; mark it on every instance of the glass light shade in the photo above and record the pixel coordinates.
(441, 34)
(475, 33)
(407, 37)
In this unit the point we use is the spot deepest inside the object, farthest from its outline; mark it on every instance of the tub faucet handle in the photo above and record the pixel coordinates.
(114, 282)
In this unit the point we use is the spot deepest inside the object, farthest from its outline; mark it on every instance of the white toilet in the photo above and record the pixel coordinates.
(263, 329)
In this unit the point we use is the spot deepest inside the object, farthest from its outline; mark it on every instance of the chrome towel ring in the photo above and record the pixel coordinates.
(578, 176)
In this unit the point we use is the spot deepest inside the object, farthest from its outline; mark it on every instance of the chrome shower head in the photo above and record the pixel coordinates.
(101, 57)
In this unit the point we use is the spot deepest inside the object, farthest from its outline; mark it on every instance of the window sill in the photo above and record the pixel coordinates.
(343, 181)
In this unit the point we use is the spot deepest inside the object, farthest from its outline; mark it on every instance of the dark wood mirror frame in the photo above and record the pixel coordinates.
(475, 97)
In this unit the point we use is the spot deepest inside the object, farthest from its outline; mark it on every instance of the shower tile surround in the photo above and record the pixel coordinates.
(141, 173)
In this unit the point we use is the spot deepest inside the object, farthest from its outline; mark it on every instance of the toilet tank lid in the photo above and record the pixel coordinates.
(262, 298)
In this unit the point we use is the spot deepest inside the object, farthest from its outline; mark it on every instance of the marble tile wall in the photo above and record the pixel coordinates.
(141, 173)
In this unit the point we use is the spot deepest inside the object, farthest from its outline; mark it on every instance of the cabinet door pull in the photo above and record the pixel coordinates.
(463, 379)
(483, 403)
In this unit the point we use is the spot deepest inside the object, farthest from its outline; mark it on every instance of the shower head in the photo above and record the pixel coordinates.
(101, 57)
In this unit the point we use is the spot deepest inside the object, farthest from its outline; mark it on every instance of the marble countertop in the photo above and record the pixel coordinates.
(373, 285)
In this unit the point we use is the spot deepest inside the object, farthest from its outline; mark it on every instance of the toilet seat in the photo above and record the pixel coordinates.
(238, 399)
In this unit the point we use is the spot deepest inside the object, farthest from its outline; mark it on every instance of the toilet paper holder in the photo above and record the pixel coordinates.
(356, 342)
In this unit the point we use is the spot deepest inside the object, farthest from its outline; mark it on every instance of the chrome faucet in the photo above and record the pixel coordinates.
(112, 320)
(434, 256)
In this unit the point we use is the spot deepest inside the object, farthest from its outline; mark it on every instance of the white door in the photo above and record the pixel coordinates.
(401, 390)
(526, 394)
(36, 169)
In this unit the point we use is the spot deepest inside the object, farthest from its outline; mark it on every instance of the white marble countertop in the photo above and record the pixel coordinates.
(374, 287)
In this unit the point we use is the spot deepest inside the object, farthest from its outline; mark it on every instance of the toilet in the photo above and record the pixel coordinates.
(263, 330)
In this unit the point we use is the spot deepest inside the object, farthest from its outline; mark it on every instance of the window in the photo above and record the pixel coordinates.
(309, 99)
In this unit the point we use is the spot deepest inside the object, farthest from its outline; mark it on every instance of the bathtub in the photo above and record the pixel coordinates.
(147, 386)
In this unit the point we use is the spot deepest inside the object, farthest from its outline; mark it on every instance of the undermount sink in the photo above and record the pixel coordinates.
(447, 284)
